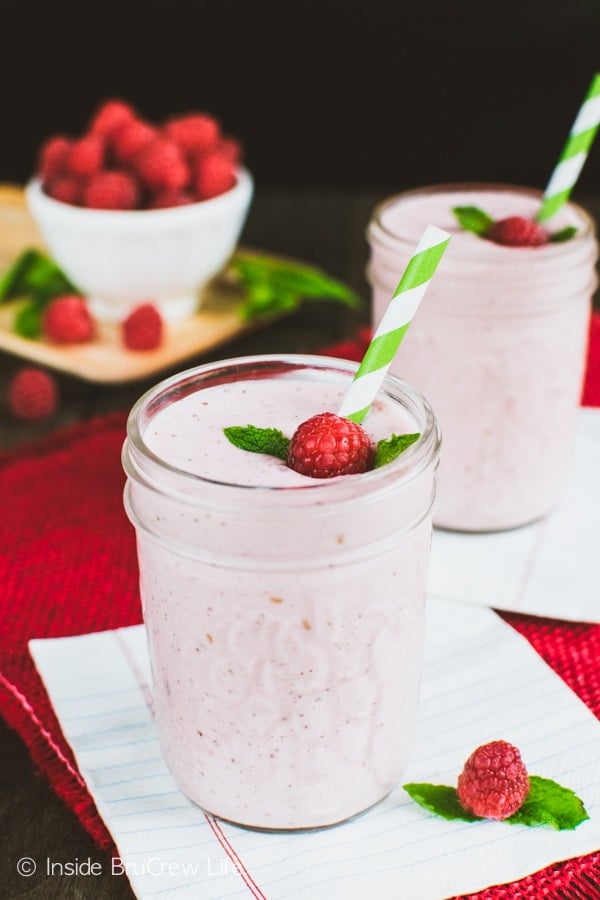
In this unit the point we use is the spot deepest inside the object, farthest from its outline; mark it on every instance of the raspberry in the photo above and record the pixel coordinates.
(130, 139)
(160, 165)
(215, 174)
(67, 320)
(143, 328)
(110, 116)
(327, 445)
(32, 395)
(111, 190)
(231, 149)
(166, 199)
(494, 782)
(516, 231)
(66, 189)
(52, 157)
(193, 133)
(86, 156)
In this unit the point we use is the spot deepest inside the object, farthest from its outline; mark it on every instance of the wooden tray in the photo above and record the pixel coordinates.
(106, 360)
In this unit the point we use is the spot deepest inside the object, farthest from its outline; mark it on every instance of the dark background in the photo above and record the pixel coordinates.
(337, 93)
(337, 103)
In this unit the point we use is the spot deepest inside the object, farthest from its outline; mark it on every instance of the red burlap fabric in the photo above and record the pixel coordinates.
(68, 566)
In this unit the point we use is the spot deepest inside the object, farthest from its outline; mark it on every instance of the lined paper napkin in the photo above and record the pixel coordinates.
(550, 568)
(482, 681)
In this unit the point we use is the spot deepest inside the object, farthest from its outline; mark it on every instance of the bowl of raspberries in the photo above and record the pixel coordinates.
(136, 211)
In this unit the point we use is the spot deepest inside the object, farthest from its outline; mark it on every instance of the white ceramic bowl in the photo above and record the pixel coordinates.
(118, 259)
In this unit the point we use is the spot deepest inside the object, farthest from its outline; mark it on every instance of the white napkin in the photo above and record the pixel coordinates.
(482, 681)
(550, 568)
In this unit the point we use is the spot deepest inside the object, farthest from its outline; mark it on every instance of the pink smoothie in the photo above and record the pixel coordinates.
(498, 347)
(284, 614)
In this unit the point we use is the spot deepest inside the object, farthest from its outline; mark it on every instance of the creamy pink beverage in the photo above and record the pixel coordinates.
(498, 347)
(284, 614)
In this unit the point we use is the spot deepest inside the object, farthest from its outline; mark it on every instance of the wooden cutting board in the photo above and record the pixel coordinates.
(106, 360)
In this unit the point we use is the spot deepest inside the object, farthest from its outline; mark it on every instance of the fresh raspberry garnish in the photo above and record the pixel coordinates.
(494, 781)
(193, 133)
(143, 328)
(52, 159)
(130, 139)
(516, 231)
(166, 199)
(66, 189)
(32, 395)
(111, 190)
(67, 320)
(86, 155)
(110, 116)
(161, 165)
(215, 174)
(327, 445)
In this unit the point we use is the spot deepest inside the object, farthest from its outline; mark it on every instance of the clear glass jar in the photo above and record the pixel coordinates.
(498, 346)
(285, 624)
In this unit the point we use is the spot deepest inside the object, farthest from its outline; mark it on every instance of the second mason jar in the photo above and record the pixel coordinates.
(498, 346)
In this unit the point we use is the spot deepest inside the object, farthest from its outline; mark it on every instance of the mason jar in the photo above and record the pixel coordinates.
(498, 346)
(284, 614)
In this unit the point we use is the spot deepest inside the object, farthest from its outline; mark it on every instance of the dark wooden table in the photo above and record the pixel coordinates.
(323, 228)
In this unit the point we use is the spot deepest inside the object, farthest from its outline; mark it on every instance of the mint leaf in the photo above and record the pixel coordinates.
(388, 450)
(548, 803)
(565, 234)
(471, 218)
(273, 285)
(269, 441)
(34, 274)
(12, 281)
(439, 799)
(28, 319)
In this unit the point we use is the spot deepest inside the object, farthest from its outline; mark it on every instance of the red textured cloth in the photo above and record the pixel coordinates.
(68, 566)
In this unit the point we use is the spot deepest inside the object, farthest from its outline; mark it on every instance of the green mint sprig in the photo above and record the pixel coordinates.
(565, 234)
(471, 218)
(269, 441)
(35, 279)
(272, 442)
(273, 286)
(388, 450)
(548, 803)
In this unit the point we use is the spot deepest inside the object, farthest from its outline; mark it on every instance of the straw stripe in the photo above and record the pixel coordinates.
(394, 324)
(574, 154)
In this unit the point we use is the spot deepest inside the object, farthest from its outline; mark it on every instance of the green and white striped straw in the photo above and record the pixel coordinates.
(574, 154)
(394, 324)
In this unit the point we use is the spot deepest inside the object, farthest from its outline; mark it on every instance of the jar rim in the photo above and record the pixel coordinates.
(140, 460)
(376, 219)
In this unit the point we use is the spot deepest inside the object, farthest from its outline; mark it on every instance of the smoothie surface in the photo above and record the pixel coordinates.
(188, 434)
(410, 214)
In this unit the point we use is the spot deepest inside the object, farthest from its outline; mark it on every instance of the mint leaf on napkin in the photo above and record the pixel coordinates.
(439, 799)
(388, 450)
(273, 285)
(548, 803)
(269, 441)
